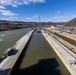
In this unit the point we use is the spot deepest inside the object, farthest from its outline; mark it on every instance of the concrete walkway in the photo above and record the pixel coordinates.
(67, 57)
(8, 63)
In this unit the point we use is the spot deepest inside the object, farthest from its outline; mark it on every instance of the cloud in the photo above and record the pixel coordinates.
(4, 19)
(8, 18)
(58, 12)
(58, 18)
(8, 13)
(13, 17)
(73, 16)
(2, 7)
(16, 3)
(36, 16)
(29, 19)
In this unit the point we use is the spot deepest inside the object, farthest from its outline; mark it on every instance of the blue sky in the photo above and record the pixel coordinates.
(30, 10)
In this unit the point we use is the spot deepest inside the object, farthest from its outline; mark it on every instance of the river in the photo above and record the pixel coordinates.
(9, 38)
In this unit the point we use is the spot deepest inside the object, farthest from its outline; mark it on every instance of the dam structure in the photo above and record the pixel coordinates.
(66, 56)
(7, 65)
(38, 53)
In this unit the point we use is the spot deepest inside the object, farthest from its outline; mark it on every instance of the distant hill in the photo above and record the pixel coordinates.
(9, 25)
(71, 23)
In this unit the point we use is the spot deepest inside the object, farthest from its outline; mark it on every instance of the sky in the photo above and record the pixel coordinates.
(32, 10)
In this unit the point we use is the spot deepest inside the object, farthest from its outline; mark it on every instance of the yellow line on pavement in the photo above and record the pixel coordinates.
(62, 59)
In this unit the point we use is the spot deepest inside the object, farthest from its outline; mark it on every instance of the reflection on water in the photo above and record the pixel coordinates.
(0, 39)
(39, 58)
(9, 38)
(1, 34)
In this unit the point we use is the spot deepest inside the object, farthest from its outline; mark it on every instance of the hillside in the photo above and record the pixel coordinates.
(71, 23)
(9, 25)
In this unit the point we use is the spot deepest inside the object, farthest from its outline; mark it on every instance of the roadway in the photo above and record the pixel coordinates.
(72, 36)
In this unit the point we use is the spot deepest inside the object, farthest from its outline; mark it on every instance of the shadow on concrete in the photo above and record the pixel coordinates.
(4, 72)
(44, 67)
(19, 61)
(1, 59)
(48, 66)
(14, 51)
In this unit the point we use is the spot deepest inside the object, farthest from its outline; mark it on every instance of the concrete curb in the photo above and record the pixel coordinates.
(62, 59)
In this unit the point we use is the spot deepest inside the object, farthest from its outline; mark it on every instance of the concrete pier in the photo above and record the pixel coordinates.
(66, 56)
(7, 65)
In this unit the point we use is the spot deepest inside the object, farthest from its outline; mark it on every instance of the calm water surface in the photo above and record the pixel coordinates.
(9, 38)
(39, 59)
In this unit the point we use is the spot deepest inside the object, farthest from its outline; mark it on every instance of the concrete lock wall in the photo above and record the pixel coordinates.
(20, 46)
(56, 47)
(8, 64)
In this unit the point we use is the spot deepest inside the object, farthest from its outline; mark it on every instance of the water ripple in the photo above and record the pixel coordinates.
(0, 39)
